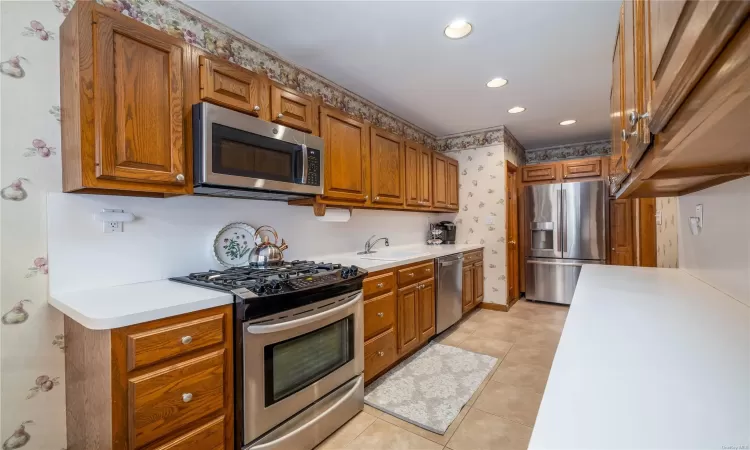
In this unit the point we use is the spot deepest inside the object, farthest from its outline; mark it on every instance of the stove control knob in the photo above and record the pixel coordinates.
(353, 270)
(271, 287)
(345, 272)
(259, 289)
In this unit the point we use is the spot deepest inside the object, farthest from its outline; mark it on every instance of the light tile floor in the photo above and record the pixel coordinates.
(502, 412)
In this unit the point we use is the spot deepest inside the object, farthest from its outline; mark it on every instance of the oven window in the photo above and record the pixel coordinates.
(245, 154)
(294, 364)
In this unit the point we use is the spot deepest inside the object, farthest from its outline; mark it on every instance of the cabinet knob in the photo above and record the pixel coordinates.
(411, 274)
(180, 177)
(256, 108)
(428, 270)
(366, 197)
(613, 249)
(186, 397)
(381, 353)
(634, 117)
(380, 314)
(187, 339)
(380, 285)
(279, 116)
(624, 135)
(512, 242)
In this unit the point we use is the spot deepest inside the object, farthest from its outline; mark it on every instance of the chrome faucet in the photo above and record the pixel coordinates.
(369, 245)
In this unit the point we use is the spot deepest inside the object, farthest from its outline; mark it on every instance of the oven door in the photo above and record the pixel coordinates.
(295, 358)
(239, 151)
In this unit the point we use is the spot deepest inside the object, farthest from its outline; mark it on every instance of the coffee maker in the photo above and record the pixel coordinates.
(448, 234)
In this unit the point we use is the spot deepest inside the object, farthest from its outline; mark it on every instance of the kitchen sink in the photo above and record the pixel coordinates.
(397, 255)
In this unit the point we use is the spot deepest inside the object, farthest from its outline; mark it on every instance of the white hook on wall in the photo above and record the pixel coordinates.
(696, 222)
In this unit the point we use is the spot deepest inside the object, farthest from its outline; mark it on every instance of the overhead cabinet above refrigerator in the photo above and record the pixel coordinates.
(566, 227)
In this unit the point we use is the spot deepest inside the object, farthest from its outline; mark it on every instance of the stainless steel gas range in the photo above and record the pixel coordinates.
(299, 344)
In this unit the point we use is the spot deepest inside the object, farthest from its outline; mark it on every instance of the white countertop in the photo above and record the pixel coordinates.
(648, 358)
(371, 265)
(120, 306)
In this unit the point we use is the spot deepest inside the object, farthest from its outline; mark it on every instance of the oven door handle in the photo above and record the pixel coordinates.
(294, 323)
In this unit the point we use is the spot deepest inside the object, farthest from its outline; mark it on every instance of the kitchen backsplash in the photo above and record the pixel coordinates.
(569, 151)
(482, 199)
(720, 254)
(174, 237)
(666, 233)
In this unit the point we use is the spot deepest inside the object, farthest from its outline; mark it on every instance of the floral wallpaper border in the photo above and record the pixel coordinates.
(483, 138)
(569, 151)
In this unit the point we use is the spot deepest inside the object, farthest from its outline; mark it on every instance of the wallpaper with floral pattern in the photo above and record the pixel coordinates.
(666, 233)
(569, 151)
(482, 199)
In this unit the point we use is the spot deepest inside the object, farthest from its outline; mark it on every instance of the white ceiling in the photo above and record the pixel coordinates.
(556, 55)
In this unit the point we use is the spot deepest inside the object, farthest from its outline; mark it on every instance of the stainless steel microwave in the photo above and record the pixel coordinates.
(237, 155)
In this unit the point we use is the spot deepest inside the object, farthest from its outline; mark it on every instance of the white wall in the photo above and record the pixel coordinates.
(174, 237)
(720, 255)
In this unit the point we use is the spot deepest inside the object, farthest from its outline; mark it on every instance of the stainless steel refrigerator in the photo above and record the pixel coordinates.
(565, 229)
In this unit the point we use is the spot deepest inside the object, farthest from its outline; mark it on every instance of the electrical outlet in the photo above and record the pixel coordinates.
(112, 227)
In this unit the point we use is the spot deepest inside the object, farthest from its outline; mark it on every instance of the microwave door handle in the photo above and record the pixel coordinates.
(305, 167)
(294, 323)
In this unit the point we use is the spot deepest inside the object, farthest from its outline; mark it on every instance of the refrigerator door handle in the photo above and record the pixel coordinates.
(564, 223)
(559, 222)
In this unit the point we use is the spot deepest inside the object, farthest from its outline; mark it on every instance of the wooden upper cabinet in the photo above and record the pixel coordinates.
(123, 122)
(407, 319)
(412, 174)
(425, 176)
(617, 113)
(230, 85)
(539, 172)
(439, 181)
(583, 168)
(630, 85)
(347, 165)
(386, 168)
(291, 108)
(426, 310)
(452, 183)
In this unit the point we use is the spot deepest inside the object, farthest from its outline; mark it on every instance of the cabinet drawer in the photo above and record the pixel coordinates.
(582, 169)
(167, 400)
(379, 353)
(539, 173)
(206, 437)
(380, 314)
(472, 257)
(416, 273)
(160, 344)
(378, 285)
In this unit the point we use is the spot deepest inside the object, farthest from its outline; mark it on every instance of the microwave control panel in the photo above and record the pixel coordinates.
(313, 167)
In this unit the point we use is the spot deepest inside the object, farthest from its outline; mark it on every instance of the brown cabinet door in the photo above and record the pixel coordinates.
(412, 174)
(617, 114)
(621, 232)
(425, 176)
(347, 156)
(230, 85)
(584, 168)
(292, 109)
(138, 92)
(478, 272)
(386, 168)
(452, 183)
(630, 86)
(426, 310)
(539, 172)
(407, 319)
(467, 287)
(439, 181)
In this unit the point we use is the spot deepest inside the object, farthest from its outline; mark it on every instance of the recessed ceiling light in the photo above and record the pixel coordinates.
(497, 82)
(457, 29)
(516, 109)
(568, 122)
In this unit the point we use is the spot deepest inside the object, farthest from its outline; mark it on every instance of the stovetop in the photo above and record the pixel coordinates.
(278, 288)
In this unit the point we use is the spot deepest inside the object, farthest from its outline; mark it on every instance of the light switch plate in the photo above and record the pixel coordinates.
(658, 217)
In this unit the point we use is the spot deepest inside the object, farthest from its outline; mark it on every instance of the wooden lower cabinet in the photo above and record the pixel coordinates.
(122, 394)
(399, 314)
(467, 283)
(478, 272)
(472, 280)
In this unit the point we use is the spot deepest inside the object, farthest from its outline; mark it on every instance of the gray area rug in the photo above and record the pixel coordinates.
(429, 388)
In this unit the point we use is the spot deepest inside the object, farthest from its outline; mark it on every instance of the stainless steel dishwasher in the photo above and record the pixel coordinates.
(448, 298)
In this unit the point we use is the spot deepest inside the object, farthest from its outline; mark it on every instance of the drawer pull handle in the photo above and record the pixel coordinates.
(381, 353)
(380, 285)
(380, 314)
(411, 274)
(187, 339)
(428, 270)
(186, 397)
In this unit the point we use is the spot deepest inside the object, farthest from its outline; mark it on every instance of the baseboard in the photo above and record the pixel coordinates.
(497, 306)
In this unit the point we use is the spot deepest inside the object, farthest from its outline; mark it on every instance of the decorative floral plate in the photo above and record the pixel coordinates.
(233, 244)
